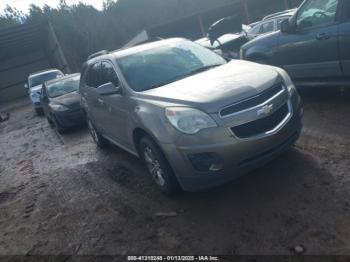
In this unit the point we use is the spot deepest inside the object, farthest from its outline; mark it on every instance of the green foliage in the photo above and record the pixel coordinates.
(11, 16)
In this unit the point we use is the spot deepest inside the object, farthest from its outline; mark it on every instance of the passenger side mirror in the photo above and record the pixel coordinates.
(108, 89)
(286, 26)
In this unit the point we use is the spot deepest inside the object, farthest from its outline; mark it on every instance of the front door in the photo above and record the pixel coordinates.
(116, 115)
(311, 51)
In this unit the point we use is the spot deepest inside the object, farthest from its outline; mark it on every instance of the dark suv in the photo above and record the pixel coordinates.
(313, 46)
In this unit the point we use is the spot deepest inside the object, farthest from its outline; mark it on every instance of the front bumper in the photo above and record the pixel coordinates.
(234, 157)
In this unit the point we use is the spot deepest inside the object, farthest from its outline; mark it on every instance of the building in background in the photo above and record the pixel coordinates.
(25, 49)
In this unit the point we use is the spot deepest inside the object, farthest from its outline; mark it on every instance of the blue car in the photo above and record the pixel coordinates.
(34, 85)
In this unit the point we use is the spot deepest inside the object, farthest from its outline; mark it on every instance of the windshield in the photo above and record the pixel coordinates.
(162, 65)
(63, 87)
(40, 79)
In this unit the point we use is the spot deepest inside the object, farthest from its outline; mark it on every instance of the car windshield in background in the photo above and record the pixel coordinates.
(63, 87)
(162, 65)
(40, 79)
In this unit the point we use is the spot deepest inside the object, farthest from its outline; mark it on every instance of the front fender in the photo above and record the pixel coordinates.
(151, 118)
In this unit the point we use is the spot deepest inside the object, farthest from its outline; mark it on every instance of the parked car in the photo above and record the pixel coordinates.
(60, 101)
(285, 12)
(312, 46)
(195, 120)
(227, 46)
(269, 24)
(34, 85)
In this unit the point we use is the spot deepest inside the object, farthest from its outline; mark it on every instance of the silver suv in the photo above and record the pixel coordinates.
(194, 119)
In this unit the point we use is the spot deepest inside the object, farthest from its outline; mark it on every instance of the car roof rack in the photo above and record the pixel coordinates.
(285, 12)
(99, 53)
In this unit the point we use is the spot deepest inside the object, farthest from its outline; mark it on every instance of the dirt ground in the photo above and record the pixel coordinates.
(62, 195)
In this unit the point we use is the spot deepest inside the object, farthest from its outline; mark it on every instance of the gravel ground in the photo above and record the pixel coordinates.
(62, 195)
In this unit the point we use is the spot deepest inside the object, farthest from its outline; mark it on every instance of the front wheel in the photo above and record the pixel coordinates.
(98, 138)
(158, 166)
(39, 111)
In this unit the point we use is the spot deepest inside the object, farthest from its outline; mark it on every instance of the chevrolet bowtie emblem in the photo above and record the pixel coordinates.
(265, 110)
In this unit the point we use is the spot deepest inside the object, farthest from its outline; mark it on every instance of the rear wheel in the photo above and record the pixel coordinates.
(60, 129)
(98, 138)
(39, 111)
(158, 166)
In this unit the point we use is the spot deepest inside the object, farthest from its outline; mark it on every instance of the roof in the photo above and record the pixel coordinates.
(289, 12)
(43, 72)
(62, 78)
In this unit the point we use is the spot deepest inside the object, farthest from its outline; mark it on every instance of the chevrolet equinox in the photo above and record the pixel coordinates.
(195, 120)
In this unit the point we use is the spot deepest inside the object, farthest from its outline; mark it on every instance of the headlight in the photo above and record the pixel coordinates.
(189, 120)
(287, 81)
(59, 108)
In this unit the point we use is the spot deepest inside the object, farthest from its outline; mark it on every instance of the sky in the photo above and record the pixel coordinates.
(23, 5)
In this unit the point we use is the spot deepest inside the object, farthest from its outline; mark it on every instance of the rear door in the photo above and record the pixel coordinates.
(344, 39)
(312, 50)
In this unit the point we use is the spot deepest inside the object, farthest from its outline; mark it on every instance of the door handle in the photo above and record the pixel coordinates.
(322, 36)
(100, 101)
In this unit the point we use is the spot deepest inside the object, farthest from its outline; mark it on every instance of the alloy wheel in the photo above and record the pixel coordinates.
(154, 166)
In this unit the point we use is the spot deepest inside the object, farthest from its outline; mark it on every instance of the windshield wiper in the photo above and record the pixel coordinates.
(196, 71)
(202, 69)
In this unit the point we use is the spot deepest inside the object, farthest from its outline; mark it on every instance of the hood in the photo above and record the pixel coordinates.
(70, 100)
(36, 89)
(216, 88)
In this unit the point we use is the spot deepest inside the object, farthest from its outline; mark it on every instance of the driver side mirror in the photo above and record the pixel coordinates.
(286, 26)
(109, 89)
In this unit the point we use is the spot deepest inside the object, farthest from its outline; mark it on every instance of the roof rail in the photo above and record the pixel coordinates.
(103, 52)
(278, 14)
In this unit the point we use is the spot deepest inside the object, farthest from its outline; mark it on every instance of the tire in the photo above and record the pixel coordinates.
(39, 111)
(49, 121)
(60, 129)
(100, 141)
(158, 166)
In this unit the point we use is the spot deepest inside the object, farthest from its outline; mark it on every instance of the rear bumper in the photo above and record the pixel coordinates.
(70, 119)
(234, 157)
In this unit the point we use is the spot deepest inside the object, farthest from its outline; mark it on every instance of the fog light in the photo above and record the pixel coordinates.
(205, 162)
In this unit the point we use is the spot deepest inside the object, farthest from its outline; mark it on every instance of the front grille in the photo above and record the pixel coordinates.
(252, 101)
(262, 125)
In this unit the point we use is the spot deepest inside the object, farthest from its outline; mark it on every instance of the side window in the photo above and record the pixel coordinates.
(108, 74)
(279, 22)
(93, 75)
(266, 27)
(347, 10)
(317, 13)
(255, 30)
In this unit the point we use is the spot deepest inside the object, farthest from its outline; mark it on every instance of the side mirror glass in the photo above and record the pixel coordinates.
(108, 89)
(286, 26)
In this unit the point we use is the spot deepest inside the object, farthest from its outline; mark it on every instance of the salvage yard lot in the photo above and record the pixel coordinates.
(63, 195)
